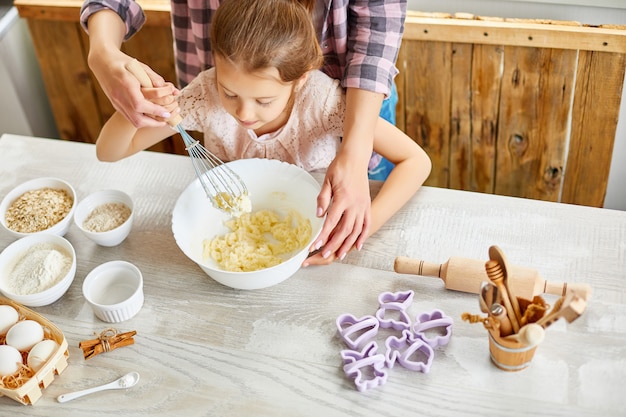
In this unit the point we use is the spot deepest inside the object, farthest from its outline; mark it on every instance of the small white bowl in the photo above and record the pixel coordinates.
(85, 207)
(114, 290)
(13, 253)
(272, 184)
(59, 228)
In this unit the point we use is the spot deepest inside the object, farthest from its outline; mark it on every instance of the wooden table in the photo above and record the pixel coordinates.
(203, 349)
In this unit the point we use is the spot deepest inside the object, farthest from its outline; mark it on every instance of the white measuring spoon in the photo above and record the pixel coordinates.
(126, 381)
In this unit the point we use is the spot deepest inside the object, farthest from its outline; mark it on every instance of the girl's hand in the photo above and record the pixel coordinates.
(165, 97)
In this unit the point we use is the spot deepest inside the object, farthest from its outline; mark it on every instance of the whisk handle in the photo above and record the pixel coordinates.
(135, 68)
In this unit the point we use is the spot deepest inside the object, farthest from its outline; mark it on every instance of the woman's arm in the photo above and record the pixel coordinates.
(348, 219)
(373, 33)
(106, 60)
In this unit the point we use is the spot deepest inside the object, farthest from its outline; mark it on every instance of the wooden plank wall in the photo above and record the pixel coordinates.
(513, 107)
(505, 106)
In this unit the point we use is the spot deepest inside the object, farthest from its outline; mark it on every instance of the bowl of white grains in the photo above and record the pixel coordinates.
(39, 205)
(37, 270)
(105, 217)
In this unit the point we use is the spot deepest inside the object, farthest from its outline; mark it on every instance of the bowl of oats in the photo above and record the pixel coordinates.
(38, 205)
(260, 248)
(105, 217)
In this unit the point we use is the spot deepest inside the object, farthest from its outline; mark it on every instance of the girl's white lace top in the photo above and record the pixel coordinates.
(310, 138)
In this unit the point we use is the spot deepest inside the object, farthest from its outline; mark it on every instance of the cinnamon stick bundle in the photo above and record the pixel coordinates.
(108, 340)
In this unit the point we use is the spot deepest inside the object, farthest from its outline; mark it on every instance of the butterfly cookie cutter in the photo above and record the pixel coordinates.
(427, 322)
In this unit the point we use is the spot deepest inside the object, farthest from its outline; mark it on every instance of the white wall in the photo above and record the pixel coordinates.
(602, 12)
(24, 105)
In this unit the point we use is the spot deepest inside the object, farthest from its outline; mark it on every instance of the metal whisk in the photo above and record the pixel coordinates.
(221, 184)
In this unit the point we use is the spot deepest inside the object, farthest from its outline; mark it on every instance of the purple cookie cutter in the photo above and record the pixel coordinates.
(354, 331)
(413, 354)
(433, 320)
(401, 300)
(398, 302)
(413, 349)
(355, 362)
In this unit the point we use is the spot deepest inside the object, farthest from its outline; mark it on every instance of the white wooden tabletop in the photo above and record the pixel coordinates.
(203, 349)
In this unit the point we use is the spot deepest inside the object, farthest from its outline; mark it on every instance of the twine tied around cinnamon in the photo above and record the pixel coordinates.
(109, 339)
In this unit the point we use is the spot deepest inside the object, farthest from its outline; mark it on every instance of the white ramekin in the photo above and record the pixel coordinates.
(114, 290)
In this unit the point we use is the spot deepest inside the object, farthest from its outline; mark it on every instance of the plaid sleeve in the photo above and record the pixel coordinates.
(375, 31)
(128, 10)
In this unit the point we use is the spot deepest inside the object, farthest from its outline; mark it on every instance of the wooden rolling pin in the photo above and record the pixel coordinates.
(464, 274)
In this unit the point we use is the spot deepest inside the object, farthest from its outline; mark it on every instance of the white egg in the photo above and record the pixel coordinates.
(40, 353)
(10, 360)
(8, 317)
(24, 335)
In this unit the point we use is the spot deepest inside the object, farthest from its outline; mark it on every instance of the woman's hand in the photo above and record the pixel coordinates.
(125, 93)
(107, 62)
(345, 200)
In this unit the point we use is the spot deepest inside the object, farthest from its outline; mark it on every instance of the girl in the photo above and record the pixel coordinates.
(360, 40)
(266, 98)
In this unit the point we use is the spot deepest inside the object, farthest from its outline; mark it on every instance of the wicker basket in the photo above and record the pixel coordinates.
(31, 391)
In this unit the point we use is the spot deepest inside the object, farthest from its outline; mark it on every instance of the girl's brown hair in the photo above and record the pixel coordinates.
(259, 34)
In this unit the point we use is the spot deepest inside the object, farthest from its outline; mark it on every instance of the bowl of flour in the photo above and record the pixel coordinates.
(37, 270)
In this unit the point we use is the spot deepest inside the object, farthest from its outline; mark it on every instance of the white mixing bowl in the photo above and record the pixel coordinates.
(272, 184)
